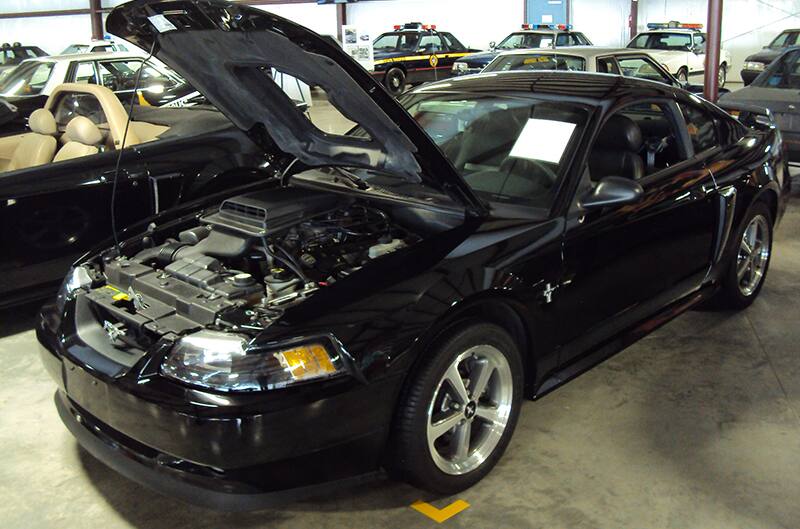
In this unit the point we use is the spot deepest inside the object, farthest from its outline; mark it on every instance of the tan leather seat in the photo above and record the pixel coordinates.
(83, 139)
(38, 146)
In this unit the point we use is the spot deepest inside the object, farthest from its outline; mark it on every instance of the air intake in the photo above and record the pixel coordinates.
(261, 213)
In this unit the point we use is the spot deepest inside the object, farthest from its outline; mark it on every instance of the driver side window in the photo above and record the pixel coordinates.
(637, 141)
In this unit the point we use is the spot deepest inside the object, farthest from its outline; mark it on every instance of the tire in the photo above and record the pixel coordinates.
(395, 81)
(723, 75)
(425, 453)
(683, 75)
(746, 272)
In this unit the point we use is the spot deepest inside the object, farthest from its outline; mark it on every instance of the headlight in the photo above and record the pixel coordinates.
(78, 278)
(460, 67)
(222, 361)
(755, 66)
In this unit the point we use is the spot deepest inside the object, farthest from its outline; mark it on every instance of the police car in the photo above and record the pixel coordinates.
(415, 53)
(531, 37)
(680, 48)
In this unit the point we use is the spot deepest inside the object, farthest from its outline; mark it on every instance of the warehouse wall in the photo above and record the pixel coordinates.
(605, 22)
(321, 19)
(747, 25)
(474, 22)
(52, 34)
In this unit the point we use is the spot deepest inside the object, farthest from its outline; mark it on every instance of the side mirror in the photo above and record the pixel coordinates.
(612, 191)
(492, 45)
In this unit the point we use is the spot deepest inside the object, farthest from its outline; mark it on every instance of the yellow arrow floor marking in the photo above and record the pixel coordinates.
(440, 515)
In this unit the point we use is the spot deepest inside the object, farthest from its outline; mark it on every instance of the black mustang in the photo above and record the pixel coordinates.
(393, 297)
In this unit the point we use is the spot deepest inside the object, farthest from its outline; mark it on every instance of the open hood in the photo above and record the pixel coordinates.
(227, 51)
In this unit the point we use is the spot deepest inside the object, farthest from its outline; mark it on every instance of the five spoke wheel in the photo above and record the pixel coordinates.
(753, 257)
(470, 410)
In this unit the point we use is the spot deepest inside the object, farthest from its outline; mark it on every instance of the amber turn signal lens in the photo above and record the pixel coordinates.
(307, 361)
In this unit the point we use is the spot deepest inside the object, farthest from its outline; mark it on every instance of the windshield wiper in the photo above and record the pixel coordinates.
(351, 179)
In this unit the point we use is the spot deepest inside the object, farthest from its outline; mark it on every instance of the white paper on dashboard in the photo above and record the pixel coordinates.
(544, 140)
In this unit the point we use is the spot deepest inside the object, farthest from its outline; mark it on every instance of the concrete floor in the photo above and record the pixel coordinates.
(696, 426)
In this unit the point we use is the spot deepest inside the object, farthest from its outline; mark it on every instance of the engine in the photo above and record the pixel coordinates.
(246, 262)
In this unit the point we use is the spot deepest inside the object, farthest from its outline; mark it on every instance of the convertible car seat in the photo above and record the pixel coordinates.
(616, 151)
(38, 146)
(83, 139)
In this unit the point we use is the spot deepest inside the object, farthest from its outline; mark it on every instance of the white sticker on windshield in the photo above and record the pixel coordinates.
(544, 140)
(161, 23)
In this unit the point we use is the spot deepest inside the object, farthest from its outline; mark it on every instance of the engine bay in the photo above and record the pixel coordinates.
(244, 263)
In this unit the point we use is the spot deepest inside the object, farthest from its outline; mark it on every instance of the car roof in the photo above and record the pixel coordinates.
(585, 52)
(579, 85)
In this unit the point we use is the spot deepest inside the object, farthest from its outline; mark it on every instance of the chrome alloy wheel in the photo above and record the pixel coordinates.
(753, 257)
(470, 410)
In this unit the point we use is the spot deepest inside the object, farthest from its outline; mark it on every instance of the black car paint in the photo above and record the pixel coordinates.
(572, 290)
(50, 215)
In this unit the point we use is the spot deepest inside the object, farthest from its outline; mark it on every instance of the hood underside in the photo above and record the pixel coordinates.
(228, 52)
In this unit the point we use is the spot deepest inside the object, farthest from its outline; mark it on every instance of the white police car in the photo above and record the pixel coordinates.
(680, 48)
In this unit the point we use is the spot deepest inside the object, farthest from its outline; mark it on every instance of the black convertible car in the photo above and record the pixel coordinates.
(57, 178)
(391, 299)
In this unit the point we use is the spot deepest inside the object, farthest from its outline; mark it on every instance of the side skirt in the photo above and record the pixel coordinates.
(626, 338)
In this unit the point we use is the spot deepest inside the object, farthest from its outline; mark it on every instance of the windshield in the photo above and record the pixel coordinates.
(536, 61)
(517, 41)
(784, 73)
(662, 41)
(397, 42)
(27, 79)
(507, 149)
(75, 48)
(784, 40)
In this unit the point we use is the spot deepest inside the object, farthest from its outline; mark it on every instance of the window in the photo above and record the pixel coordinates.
(526, 41)
(27, 79)
(582, 40)
(396, 42)
(430, 43)
(101, 49)
(568, 39)
(784, 74)
(784, 40)
(453, 43)
(537, 61)
(85, 73)
(75, 48)
(607, 65)
(701, 126)
(700, 42)
(508, 150)
(637, 141)
(120, 76)
(641, 69)
(72, 104)
(663, 41)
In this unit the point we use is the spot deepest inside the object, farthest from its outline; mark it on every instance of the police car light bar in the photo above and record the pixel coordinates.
(415, 25)
(673, 24)
(562, 27)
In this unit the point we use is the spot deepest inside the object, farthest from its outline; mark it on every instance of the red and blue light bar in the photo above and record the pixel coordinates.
(415, 25)
(673, 24)
(562, 27)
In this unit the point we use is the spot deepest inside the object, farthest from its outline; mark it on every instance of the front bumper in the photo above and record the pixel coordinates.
(159, 472)
(748, 76)
(230, 456)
